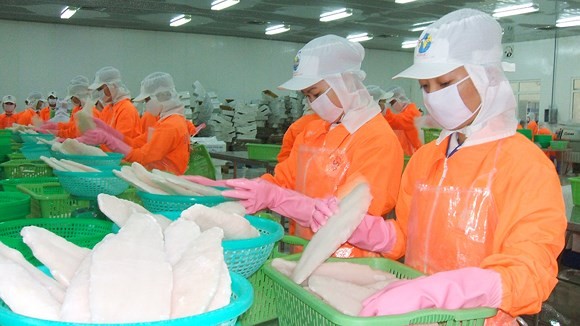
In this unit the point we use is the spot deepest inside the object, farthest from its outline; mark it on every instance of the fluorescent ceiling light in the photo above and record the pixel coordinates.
(568, 21)
(180, 20)
(421, 26)
(515, 10)
(335, 14)
(67, 12)
(277, 29)
(403, 1)
(361, 37)
(409, 44)
(223, 4)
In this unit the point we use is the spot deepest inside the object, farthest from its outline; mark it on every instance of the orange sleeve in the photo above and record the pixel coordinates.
(404, 120)
(147, 120)
(25, 117)
(125, 119)
(293, 131)
(191, 129)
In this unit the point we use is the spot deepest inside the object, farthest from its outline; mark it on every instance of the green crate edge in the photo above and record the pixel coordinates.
(266, 152)
(52, 205)
(332, 316)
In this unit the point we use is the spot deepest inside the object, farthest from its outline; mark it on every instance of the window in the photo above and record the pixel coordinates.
(527, 95)
(576, 99)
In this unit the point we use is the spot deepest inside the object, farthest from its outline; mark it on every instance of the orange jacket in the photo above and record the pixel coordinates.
(373, 153)
(533, 126)
(405, 123)
(529, 234)
(8, 120)
(148, 120)
(45, 113)
(69, 129)
(124, 117)
(546, 131)
(293, 131)
(168, 148)
(25, 117)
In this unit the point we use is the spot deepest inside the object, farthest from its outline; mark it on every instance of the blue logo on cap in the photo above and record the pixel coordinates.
(296, 61)
(424, 43)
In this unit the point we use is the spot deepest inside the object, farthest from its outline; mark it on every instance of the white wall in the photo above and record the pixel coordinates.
(44, 57)
(567, 68)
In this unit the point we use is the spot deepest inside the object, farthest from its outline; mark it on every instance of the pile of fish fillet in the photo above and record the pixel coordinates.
(152, 269)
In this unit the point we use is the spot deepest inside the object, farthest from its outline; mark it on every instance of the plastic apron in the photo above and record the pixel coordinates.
(452, 227)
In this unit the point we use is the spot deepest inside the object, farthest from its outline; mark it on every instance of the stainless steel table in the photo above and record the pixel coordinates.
(241, 157)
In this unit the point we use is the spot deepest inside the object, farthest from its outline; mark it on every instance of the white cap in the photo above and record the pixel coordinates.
(51, 94)
(153, 84)
(398, 94)
(78, 87)
(9, 99)
(324, 56)
(105, 75)
(378, 93)
(464, 36)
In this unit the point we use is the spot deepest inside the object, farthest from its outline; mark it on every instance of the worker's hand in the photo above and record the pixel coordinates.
(108, 129)
(374, 234)
(204, 181)
(323, 210)
(47, 127)
(468, 287)
(99, 136)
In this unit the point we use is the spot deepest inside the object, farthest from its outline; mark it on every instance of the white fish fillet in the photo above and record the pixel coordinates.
(232, 207)
(344, 296)
(127, 174)
(130, 279)
(80, 166)
(52, 164)
(145, 176)
(234, 226)
(84, 117)
(196, 276)
(119, 210)
(75, 307)
(55, 289)
(196, 188)
(179, 236)
(224, 290)
(24, 294)
(335, 232)
(60, 256)
(72, 145)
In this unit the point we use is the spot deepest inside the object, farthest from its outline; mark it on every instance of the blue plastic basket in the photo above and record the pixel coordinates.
(33, 138)
(241, 300)
(246, 256)
(35, 151)
(111, 159)
(90, 184)
(171, 203)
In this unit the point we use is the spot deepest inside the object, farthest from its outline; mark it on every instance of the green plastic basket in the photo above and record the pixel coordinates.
(33, 138)
(430, 134)
(543, 140)
(82, 232)
(111, 159)
(14, 205)
(297, 306)
(241, 300)
(525, 132)
(131, 195)
(169, 203)
(91, 184)
(25, 169)
(263, 152)
(575, 184)
(50, 200)
(35, 151)
(10, 184)
(200, 162)
(559, 144)
(16, 156)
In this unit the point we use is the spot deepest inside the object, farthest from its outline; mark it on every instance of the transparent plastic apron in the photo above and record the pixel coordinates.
(452, 227)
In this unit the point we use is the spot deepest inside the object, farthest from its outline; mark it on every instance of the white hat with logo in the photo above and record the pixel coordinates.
(9, 99)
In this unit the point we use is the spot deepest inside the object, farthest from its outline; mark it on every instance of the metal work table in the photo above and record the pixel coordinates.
(563, 157)
(241, 157)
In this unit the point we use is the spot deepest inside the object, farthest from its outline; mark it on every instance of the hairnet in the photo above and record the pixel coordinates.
(79, 87)
(397, 94)
(33, 98)
(377, 93)
(160, 85)
(111, 77)
(52, 94)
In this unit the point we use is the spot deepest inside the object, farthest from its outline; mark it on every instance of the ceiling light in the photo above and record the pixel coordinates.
(403, 1)
(335, 14)
(421, 26)
(568, 21)
(223, 4)
(180, 20)
(67, 12)
(515, 10)
(277, 29)
(409, 44)
(361, 37)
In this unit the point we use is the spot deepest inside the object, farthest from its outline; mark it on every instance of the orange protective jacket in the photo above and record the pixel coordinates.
(374, 154)
(69, 129)
(25, 117)
(45, 113)
(124, 117)
(404, 126)
(168, 148)
(529, 234)
(293, 131)
(148, 120)
(533, 126)
(8, 120)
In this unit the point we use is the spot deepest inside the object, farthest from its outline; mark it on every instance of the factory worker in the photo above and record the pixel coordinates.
(351, 140)
(35, 103)
(480, 210)
(52, 100)
(61, 112)
(9, 117)
(379, 95)
(119, 113)
(401, 115)
(166, 147)
(532, 124)
(293, 131)
(149, 119)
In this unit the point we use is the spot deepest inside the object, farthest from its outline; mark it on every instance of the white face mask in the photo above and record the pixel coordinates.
(324, 107)
(104, 98)
(153, 106)
(447, 107)
(52, 101)
(9, 107)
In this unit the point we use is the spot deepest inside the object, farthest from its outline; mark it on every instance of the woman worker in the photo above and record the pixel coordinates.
(402, 120)
(167, 146)
(350, 141)
(468, 212)
(9, 117)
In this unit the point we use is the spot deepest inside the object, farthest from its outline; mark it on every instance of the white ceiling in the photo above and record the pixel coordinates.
(388, 21)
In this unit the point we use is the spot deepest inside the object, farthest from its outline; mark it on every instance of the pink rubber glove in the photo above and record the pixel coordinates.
(108, 129)
(47, 127)
(204, 181)
(324, 209)
(374, 234)
(468, 287)
(99, 136)
(258, 194)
